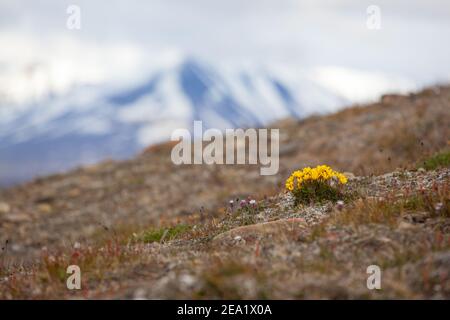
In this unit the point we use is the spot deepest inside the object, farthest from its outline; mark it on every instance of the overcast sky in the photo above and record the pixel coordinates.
(119, 39)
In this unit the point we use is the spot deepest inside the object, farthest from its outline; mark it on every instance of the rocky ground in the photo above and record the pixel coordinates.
(145, 228)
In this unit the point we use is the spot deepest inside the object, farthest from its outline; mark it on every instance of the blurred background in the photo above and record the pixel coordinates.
(137, 70)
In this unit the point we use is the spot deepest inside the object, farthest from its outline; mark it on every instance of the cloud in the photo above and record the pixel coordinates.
(125, 39)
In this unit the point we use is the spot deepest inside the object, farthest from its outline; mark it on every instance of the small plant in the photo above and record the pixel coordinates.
(246, 209)
(165, 234)
(316, 184)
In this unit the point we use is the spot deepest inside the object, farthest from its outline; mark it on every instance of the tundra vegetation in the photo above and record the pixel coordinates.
(147, 228)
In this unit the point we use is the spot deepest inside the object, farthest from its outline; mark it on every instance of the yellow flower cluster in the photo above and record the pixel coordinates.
(319, 173)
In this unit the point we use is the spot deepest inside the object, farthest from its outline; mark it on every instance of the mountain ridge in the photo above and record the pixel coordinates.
(90, 123)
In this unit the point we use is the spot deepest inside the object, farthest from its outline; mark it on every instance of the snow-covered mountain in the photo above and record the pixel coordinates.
(91, 123)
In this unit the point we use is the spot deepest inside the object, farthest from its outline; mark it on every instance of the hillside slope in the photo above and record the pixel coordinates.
(106, 218)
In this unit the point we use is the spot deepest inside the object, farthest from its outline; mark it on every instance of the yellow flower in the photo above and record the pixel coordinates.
(342, 179)
(320, 173)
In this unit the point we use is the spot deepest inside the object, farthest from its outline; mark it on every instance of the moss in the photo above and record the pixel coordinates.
(156, 235)
(438, 160)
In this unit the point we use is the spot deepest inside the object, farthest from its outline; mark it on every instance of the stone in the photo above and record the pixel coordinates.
(255, 231)
(44, 208)
(349, 175)
(4, 207)
(140, 294)
(18, 217)
(405, 225)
